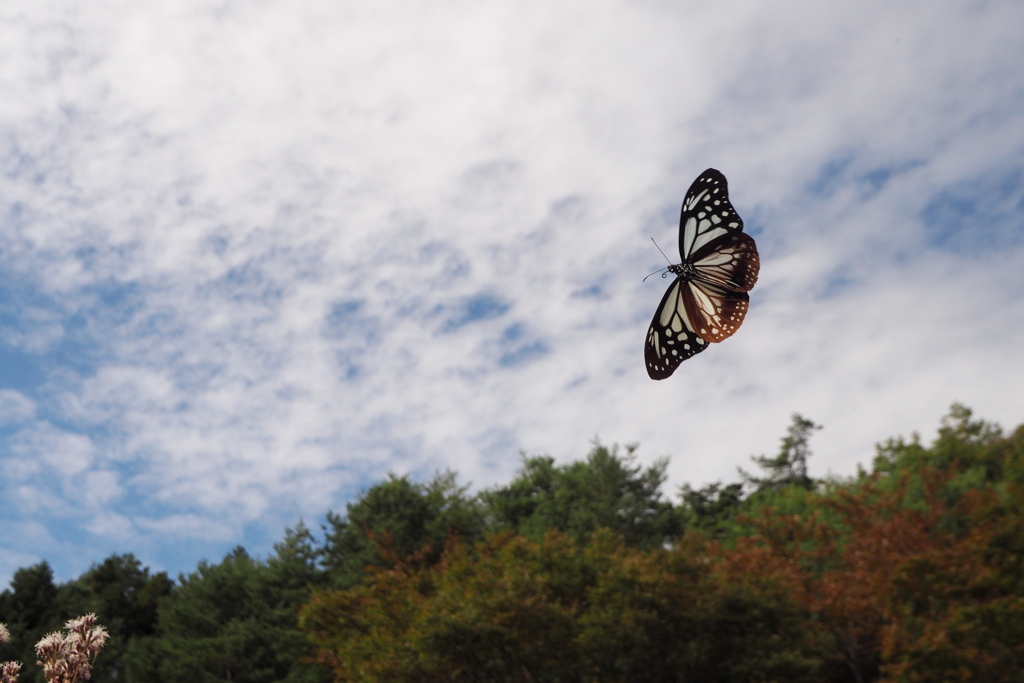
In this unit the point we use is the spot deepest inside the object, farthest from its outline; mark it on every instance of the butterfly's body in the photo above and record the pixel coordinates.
(708, 299)
(685, 271)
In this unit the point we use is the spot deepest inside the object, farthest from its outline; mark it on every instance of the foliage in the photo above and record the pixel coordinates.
(909, 572)
(235, 621)
(411, 515)
(789, 467)
(914, 571)
(29, 608)
(606, 491)
(785, 487)
(513, 609)
(122, 594)
(125, 597)
(711, 509)
(957, 611)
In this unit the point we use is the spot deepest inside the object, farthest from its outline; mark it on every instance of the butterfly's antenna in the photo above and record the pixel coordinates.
(662, 253)
(662, 269)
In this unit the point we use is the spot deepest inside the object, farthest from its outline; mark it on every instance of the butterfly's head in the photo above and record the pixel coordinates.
(685, 270)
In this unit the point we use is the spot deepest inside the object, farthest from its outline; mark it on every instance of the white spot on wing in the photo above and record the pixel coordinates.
(705, 238)
(693, 200)
(670, 305)
(689, 234)
(715, 258)
(703, 300)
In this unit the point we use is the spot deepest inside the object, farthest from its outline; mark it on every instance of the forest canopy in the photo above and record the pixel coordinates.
(911, 570)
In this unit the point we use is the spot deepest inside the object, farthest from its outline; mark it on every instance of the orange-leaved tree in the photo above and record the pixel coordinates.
(560, 610)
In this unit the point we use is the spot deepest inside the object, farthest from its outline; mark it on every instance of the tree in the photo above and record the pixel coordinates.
(235, 621)
(914, 571)
(975, 449)
(513, 609)
(606, 491)
(29, 610)
(122, 594)
(789, 467)
(711, 508)
(957, 611)
(125, 597)
(410, 515)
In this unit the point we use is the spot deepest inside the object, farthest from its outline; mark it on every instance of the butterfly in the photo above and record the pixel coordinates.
(708, 299)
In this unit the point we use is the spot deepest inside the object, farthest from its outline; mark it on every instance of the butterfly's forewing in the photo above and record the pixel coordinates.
(707, 213)
(671, 338)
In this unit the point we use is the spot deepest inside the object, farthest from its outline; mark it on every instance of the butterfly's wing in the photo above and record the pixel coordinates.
(711, 306)
(717, 300)
(730, 262)
(707, 213)
(711, 237)
(671, 338)
(714, 313)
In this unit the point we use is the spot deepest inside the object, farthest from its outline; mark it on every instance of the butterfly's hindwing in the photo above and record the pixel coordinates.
(714, 313)
(730, 262)
(671, 338)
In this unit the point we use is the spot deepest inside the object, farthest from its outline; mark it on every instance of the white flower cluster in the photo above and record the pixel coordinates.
(65, 658)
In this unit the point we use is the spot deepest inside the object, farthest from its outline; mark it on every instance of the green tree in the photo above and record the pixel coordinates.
(122, 594)
(607, 491)
(235, 621)
(789, 467)
(786, 487)
(975, 449)
(710, 509)
(125, 598)
(411, 517)
(29, 609)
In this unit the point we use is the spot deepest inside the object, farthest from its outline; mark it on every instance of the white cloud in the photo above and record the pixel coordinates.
(274, 251)
(15, 407)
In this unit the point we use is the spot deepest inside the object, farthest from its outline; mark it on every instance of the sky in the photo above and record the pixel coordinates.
(255, 255)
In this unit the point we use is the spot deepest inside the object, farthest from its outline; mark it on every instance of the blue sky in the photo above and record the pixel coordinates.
(255, 255)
